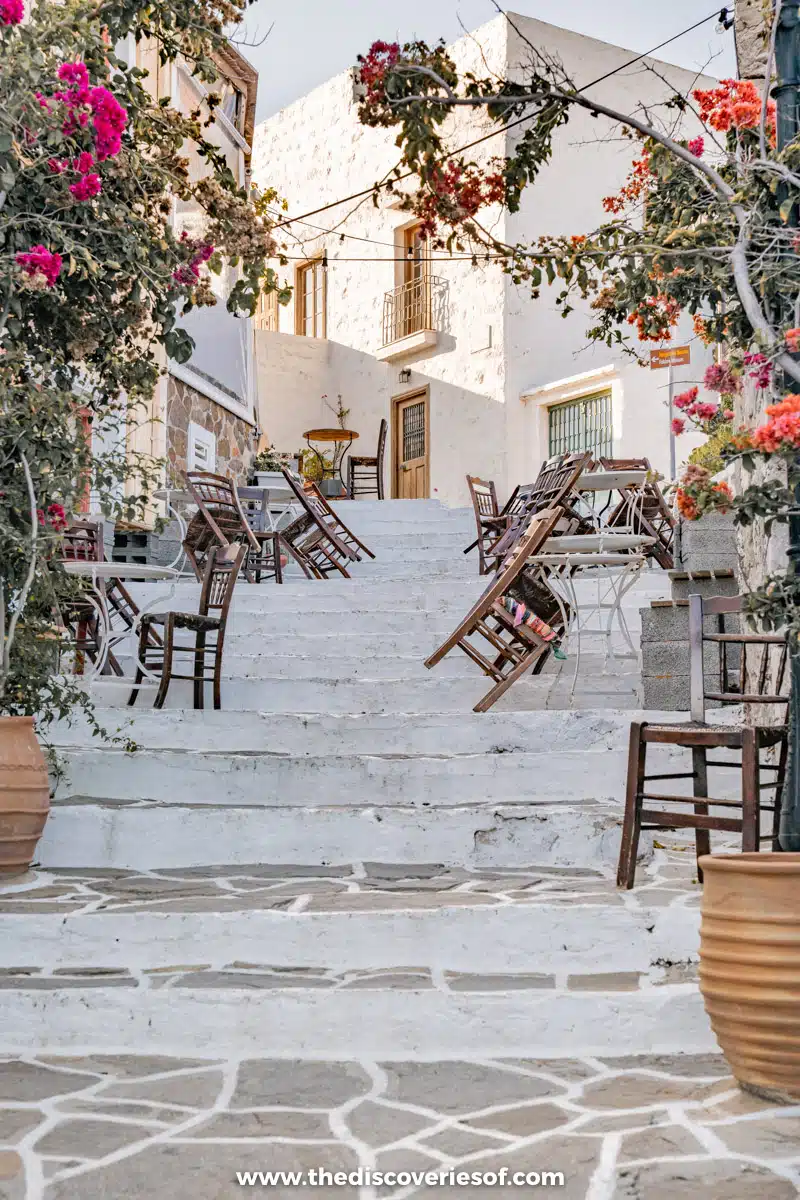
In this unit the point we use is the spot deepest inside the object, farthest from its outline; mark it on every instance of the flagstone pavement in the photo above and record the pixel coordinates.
(645, 1128)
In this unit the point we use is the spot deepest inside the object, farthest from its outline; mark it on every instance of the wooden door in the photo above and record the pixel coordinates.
(411, 446)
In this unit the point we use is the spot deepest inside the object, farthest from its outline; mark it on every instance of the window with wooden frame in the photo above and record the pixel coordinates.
(267, 312)
(311, 298)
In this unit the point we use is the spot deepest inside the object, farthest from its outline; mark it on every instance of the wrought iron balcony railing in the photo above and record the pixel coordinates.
(412, 308)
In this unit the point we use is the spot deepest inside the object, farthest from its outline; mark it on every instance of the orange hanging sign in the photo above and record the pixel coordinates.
(673, 356)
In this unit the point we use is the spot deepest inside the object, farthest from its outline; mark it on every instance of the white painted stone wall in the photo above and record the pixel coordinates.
(496, 344)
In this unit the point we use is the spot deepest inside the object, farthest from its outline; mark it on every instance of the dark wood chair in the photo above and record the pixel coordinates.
(206, 628)
(643, 509)
(82, 541)
(335, 521)
(490, 521)
(748, 668)
(519, 637)
(553, 488)
(315, 535)
(220, 521)
(365, 473)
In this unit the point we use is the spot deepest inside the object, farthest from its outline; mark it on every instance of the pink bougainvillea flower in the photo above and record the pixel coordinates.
(110, 121)
(721, 378)
(704, 411)
(678, 425)
(11, 12)
(40, 261)
(83, 163)
(683, 400)
(696, 147)
(87, 187)
(57, 165)
(762, 372)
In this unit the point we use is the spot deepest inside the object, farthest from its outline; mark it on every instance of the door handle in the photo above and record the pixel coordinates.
(405, 468)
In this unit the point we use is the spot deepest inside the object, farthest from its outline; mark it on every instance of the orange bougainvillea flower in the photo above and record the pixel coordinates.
(782, 430)
(735, 104)
(793, 340)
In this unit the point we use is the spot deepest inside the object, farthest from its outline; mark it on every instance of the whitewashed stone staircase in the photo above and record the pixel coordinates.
(347, 860)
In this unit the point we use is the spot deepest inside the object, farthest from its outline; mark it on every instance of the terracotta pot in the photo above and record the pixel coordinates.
(24, 794)
(750, 967)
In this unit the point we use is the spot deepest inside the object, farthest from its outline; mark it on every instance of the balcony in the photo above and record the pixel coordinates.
(412, 317)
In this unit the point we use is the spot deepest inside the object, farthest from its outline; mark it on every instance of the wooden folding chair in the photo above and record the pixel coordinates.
(519, 638)
(643, 509)
(335, 521)
(553, 488)
(220, 521)
(490, 521)
(315, 534)
(738, 678)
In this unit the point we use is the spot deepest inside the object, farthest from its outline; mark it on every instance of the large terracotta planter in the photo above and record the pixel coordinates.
(750, 967)
(24, 794)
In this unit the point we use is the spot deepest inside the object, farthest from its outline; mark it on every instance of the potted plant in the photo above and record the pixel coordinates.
(268, 467)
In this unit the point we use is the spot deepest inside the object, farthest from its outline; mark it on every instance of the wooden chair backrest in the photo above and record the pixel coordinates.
(739, 679)
(83, 542)
(218, 505)
(317, 510)
(219, 579)
(383, 430)
(484, 497)
(553, 488)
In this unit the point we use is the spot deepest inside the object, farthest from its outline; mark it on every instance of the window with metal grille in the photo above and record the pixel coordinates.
(414, 431)
(583, 424)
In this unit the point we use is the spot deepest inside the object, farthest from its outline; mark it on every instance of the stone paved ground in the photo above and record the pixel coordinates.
(645, 1128)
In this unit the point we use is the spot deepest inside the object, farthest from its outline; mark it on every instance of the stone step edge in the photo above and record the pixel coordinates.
(384, 1023)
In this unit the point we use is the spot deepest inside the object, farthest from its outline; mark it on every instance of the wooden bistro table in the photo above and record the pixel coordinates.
(99, 574)
(342, 439)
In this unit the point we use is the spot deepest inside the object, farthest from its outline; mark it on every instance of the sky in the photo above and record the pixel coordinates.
(312, 40)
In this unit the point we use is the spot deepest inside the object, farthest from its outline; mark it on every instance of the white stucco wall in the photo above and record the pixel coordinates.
(495, 343)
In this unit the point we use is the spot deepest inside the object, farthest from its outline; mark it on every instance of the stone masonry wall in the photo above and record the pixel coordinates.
(235, 438)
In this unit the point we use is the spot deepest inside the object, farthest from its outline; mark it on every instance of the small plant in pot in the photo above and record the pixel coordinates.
(267, 467)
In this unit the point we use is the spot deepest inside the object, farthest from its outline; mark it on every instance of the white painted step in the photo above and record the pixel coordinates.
(146, 837)
(383, 1024)
(434, 693)
(336, 735)
(264, 780)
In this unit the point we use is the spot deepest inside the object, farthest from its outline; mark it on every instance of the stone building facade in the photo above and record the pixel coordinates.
(465, 366)
(234, 438)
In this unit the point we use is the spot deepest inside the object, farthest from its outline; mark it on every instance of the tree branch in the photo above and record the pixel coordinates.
(26, 588)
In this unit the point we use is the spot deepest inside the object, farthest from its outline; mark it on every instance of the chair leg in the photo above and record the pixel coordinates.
(276, 554)
(631, 825)
(218, 674)
(779, 785)
(702, 837)
(751, 807)
(199, 670)
(134, 694)
(166, 669)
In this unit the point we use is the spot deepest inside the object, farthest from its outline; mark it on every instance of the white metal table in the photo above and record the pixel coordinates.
(100, 573)
(610, 559)
(168, 495)
(594, 483)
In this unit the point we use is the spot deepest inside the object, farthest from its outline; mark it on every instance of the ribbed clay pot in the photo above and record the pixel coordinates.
(24, 794)
(750, 967)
